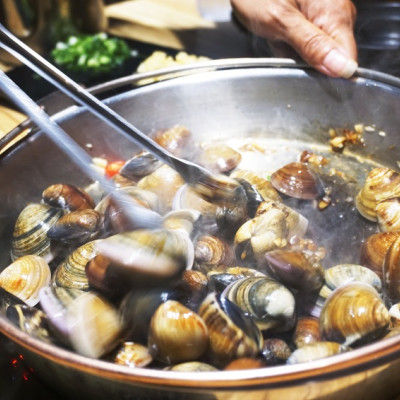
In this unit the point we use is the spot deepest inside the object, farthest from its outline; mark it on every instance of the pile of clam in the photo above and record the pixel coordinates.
(215, 286)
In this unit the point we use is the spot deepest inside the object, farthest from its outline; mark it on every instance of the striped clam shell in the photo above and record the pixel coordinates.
(30, 231)
(232, 334)
(265, 300)
(354, 314)
(71, 272)
(381, 183)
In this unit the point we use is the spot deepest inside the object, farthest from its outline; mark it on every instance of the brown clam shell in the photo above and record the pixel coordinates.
(297, 180)
(229, 339)
(177, 139)
(276, 351)
(391, 272)
(306, 331)
(295, 269)
(177, 334)
(354, 314)
(263, 186)
(164, 182)
(67, 196)
(374, 249)
(211, 252)
(79, 226)
(219, 157)
(381, 183)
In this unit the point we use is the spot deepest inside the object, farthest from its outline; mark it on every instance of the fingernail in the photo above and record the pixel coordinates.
(339, 64)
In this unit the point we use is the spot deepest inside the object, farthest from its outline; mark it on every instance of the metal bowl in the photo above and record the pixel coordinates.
(273, 99)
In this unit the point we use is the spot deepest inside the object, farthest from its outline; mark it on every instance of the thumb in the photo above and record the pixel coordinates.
(322, 51)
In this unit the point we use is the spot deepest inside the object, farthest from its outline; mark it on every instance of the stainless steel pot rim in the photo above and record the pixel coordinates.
(371, 356)
(234, 63)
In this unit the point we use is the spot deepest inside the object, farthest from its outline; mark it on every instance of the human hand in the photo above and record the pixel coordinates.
(320, 31)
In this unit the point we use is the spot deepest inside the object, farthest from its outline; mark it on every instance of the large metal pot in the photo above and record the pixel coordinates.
(266, 98)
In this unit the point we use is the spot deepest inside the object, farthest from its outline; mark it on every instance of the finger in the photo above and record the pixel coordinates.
(320, 50)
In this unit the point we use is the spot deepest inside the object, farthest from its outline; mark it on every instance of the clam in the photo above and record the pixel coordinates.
(67, 196)
(194, 284)
(295, 270)
(306, 331)
(263, 186)
(177, 334)
(388, 214)
(77, 226)
(391, 273)
(93, 324)
(140, 165)
(229, 219)
(116, 207)
(71, 272)
(177, 140)
(316, 351)
(30, 320)
(345, 273)
(218, 157)
(30, 231)
(264, 233)
(296, 223)
(25, 277)
(232, 334)
(270, 304)
(394, 312)
(212, 252)
(381, 183)
(297, 180)
(354, 314)
(164, 182)
(54, 302)
(192, 366)
(374, 249)
(185, 220)
(144, 258)
(219, 281)
(138, 307)
(276, 351)
(133, 355)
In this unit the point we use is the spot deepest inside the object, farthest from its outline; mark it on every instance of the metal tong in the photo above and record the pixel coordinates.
(216, 188)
